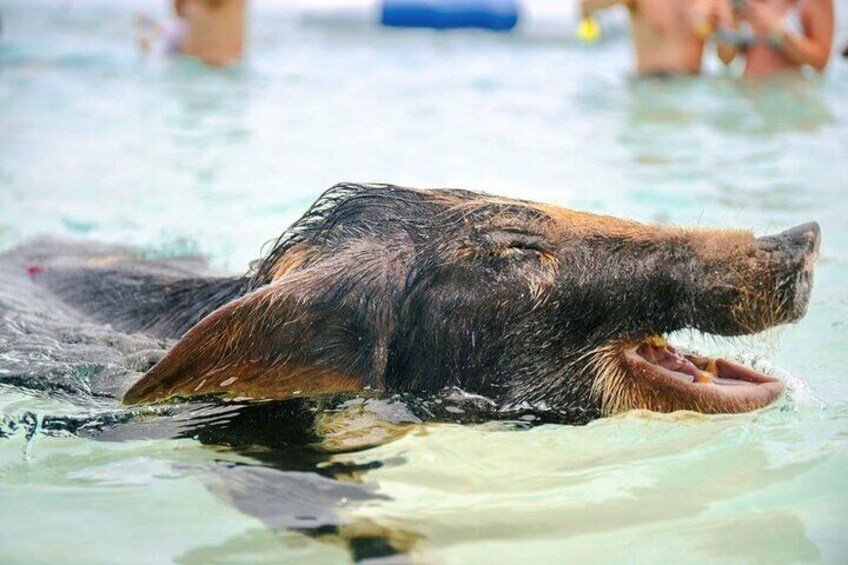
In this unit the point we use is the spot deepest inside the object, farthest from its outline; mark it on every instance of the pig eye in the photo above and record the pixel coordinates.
(517, 240)
(510, 243)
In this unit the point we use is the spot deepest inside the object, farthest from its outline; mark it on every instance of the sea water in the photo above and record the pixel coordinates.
(99, 142)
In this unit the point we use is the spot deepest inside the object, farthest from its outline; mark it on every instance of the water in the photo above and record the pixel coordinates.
(99, 143)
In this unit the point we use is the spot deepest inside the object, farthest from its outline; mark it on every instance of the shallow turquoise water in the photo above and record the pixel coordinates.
(98, 142)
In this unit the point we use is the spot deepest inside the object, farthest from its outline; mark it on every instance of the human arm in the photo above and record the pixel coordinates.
(812, 47)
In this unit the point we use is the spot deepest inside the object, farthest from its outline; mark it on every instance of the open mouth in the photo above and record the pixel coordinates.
(675, 380)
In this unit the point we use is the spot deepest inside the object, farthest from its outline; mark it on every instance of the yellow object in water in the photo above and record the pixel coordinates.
(588, 30)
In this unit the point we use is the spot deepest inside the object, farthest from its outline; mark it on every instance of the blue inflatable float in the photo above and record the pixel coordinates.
(495, 15)
(538, 18)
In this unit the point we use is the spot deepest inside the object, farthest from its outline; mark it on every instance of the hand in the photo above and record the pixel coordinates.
(711, 10)
(710, 15)
(765, 18)
(721, 14)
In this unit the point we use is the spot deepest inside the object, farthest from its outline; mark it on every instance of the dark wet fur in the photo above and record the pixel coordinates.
(404, 290)
(86, 333)
(138, 302)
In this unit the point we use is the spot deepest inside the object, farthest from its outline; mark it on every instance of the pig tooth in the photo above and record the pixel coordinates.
(657, 341)
(711, 367)
(704, 377)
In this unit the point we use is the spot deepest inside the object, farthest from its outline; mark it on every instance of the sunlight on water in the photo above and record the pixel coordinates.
(100, 143)
(708, 488)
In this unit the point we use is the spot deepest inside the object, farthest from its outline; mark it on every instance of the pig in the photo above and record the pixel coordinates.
(385, 289)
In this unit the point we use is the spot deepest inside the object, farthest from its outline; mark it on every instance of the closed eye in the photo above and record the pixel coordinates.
(507, 243)
(506, 240)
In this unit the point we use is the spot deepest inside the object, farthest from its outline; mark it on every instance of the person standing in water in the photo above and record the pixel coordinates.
(668, 35)
(216, 30)
(778, 35)
(213, 31)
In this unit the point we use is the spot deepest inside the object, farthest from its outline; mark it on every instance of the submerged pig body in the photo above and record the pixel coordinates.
(384, 288)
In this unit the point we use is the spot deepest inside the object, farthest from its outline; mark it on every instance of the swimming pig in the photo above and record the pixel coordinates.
(379, 290)
(384, 288)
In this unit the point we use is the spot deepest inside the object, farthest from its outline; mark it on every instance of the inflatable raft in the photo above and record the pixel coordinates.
(558, 18)
(494, 15)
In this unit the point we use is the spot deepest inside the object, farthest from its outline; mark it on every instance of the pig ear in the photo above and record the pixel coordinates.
(280, 341)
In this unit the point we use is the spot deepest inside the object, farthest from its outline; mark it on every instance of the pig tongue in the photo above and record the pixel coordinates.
(667, 357)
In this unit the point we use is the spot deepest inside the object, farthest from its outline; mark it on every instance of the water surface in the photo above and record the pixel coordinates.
(97, 142)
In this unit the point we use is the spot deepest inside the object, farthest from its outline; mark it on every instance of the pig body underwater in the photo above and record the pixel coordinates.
(379, 288)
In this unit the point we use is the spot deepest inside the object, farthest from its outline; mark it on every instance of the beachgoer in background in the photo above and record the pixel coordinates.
(778, 35)
(216, 30)
(668, 35)
(210, 30)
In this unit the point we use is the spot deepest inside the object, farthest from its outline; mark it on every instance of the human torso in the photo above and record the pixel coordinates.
(764, 58)
(215, 31)
(665, 38)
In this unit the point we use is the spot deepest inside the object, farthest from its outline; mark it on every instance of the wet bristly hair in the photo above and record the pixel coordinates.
(361, 210)
(380, 287)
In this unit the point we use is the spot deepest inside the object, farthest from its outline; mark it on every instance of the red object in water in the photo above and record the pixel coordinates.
(33, 270)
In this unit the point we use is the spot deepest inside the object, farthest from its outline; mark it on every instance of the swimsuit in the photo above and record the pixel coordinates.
(745, 38)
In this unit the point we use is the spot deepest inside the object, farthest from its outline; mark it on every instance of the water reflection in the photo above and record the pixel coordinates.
(263, 459)
(279, 461)
(680, 105)
(787, 104)
(678, 481)
(741, 145)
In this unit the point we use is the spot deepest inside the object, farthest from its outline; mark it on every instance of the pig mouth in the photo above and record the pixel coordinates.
(666, 379)
(649, 373)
